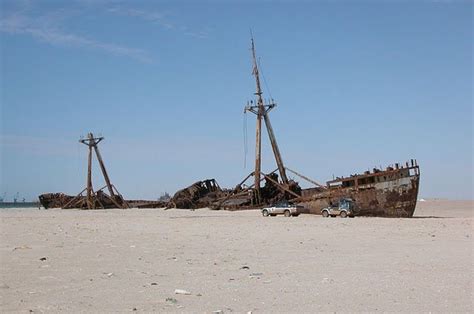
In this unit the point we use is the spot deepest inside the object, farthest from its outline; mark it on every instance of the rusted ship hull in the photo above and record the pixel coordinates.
(61, 200)
(54, 200)
(198, 195)
(389, 193)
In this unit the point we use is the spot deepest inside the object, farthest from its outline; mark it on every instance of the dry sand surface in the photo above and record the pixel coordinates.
(133, 260)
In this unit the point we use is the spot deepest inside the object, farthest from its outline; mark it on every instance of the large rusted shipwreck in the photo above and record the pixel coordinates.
(390, 192)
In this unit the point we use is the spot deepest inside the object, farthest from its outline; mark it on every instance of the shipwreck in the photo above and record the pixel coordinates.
(88, 198)
(389, 192)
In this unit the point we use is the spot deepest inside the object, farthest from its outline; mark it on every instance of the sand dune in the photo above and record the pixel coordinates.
(126, 260)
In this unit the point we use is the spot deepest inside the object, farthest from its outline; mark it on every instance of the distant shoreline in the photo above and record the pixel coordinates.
(20, 204)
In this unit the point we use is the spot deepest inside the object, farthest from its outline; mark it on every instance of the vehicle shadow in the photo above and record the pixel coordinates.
(430, 217)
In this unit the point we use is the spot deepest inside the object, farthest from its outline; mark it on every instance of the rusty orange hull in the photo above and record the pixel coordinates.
(389, 193)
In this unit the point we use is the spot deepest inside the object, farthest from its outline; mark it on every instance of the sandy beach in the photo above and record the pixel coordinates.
(134, 260)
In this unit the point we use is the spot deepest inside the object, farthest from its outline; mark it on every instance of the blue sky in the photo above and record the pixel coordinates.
(358, 84)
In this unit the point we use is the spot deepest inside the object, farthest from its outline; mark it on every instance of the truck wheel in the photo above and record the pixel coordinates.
(287, 213)
(265, 213)
(343, 214)
(325, 214)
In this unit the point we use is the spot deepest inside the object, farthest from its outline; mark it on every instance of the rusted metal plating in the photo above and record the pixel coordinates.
(392, 192)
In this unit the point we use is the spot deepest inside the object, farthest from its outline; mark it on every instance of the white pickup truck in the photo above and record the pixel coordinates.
(282, 208)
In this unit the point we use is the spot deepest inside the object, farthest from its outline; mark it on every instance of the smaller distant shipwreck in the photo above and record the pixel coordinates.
(92, 199)
(88, 198)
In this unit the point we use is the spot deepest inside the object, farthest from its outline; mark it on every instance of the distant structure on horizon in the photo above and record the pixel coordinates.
(16, 202)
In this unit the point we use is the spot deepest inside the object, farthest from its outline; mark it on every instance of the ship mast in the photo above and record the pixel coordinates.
(258, 136)
(261, 111)
(92, 142)
(92, 197)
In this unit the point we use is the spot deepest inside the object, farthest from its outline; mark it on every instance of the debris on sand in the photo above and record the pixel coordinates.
(23, 247)
(198, 195)
(171, 300)
(255, 275)
(181, 291)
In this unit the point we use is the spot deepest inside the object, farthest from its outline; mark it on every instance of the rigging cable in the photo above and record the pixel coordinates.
(244, 126)
(264, 80)
(78, 163)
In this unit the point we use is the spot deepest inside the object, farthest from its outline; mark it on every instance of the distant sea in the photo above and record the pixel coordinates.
(34, 205)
